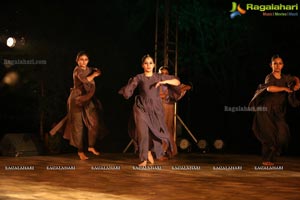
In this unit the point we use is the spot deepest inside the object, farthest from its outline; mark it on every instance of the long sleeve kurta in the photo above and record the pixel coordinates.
(84, 111)
(150, 131)
(269, 124)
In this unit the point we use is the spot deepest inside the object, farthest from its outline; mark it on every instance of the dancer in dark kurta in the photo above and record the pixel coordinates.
(269, 125)
(83, 108)
(150, 133)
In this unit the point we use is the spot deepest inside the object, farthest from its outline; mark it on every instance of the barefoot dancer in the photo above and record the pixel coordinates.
(150, 128)
(269, 126)
(83, 108)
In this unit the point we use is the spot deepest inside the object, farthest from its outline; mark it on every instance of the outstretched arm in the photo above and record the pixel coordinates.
(285, 89)
(85, 79)
(278, 89)
(174, 82)
(94, 75)
(128, 89)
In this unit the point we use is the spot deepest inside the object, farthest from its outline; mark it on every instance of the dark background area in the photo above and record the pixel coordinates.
(224, 59)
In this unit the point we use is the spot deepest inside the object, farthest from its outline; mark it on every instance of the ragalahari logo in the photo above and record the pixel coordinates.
(236, 10)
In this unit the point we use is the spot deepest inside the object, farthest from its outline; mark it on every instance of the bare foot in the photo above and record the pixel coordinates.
(163, 158)
(82, 156)
(165, 146)
(268, 163)
(143, 164)
(150, 157)
(92, 149)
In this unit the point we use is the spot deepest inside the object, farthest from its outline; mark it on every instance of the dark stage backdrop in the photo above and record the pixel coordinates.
(224, 56)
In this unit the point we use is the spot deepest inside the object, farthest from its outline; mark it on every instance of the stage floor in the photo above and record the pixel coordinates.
(116, 176)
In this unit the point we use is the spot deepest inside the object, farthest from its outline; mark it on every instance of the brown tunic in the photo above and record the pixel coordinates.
(84, 111)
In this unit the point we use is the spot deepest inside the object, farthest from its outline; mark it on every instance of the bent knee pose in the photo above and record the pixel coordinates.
(269, 124)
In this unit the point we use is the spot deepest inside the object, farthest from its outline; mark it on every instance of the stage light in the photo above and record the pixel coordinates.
(202, 144)
(11, 78)
(219, 144)
(11, 42)
(183, 143)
